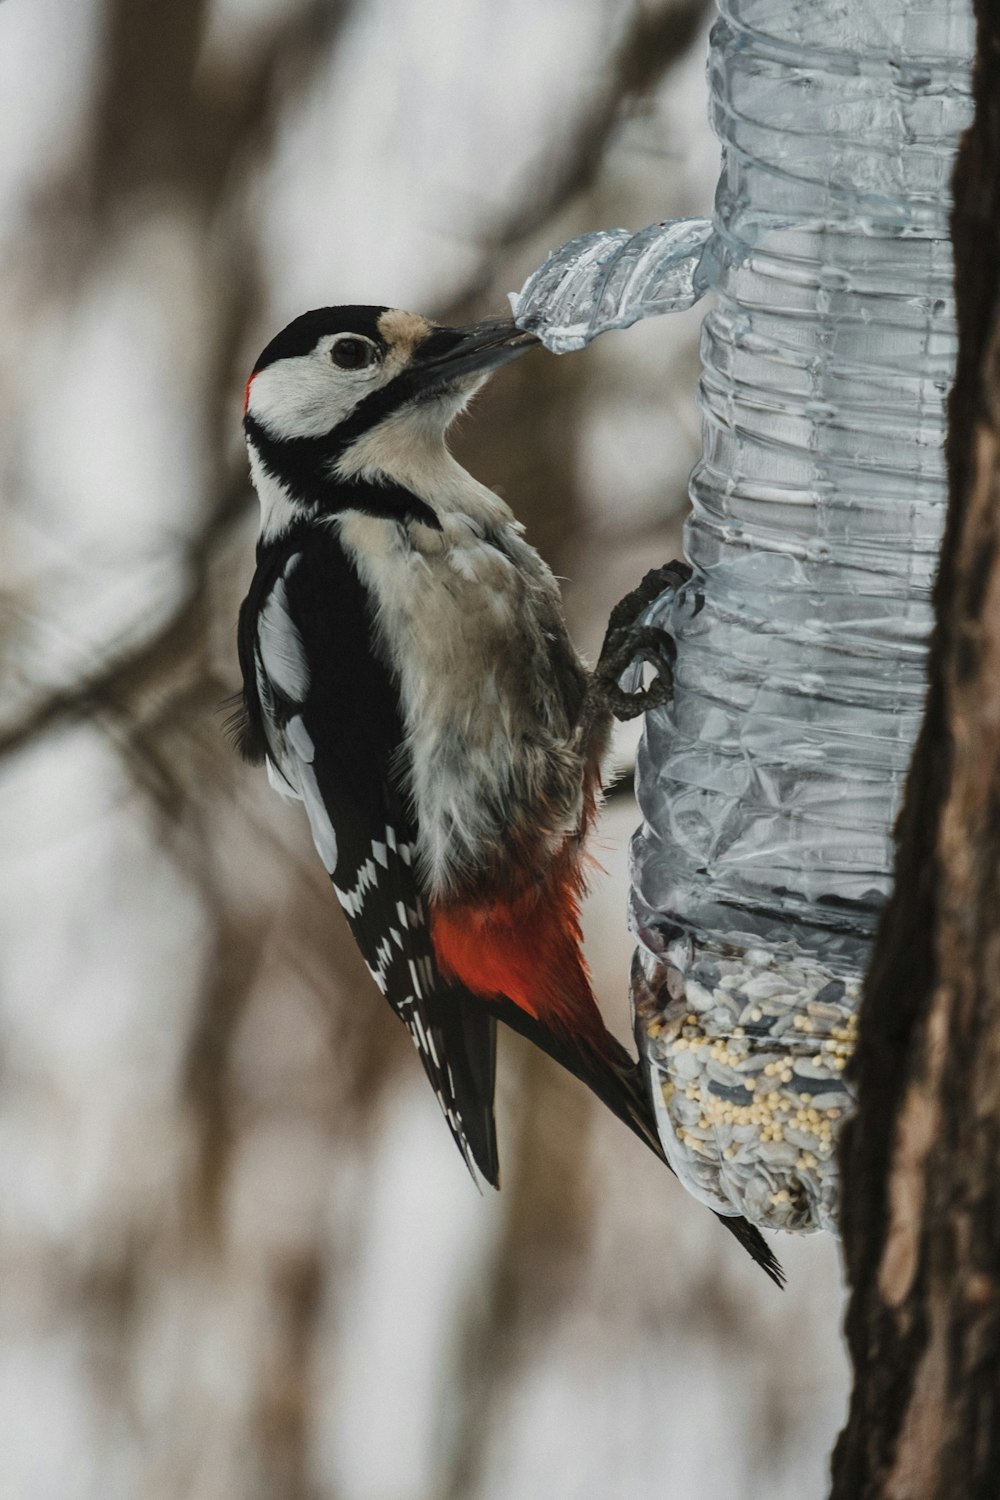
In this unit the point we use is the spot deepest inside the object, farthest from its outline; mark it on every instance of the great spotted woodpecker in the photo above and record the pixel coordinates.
(408, 675)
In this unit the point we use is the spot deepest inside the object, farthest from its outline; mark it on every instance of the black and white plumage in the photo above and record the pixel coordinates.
(307, 606)
(408, 676)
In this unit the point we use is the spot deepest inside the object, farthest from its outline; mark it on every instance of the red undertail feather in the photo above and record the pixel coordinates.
(527, 948)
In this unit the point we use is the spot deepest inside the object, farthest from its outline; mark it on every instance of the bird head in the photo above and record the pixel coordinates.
(346, 397)
(341, 372)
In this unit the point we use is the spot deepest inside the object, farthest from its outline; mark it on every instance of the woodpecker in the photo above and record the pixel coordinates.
(408, 676)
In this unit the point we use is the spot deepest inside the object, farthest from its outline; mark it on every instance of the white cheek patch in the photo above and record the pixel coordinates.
(281, 651)
(307, 395)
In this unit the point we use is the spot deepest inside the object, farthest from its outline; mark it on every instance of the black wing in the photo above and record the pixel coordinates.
(322, 708)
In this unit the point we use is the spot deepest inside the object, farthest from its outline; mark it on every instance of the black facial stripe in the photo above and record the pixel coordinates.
(303, 464)
(382, 403)
(369, 412)
(375, 408)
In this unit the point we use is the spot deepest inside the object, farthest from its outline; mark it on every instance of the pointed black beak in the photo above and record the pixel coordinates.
(449, 354)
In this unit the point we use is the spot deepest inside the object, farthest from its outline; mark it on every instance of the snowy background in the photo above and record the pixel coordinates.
(239, 1254)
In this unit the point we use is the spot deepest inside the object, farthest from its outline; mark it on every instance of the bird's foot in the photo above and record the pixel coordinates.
(671, 575)
(625, 642)
(647, 643)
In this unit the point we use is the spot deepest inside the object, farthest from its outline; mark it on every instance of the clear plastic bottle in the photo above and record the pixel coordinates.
(770, 786)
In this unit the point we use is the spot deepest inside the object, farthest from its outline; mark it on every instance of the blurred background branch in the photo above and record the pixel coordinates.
(161, 124)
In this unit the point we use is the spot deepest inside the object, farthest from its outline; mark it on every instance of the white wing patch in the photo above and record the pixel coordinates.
(280, 782)
(300, 739)
(282, 664)
(280, 644)
(319, 823)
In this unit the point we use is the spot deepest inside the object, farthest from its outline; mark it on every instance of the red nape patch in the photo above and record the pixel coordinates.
(246, 394)
(527, 950)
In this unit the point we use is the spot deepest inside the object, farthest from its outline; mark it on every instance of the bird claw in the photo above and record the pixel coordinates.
(648, 643)
(626, 641)
(671, 575)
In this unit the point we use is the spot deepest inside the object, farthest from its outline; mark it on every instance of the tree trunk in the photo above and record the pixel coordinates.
(921, 1160)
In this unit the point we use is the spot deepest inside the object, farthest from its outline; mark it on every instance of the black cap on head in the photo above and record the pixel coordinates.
(302, 333)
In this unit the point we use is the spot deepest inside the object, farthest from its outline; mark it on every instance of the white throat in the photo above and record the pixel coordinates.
(409, 449)
(277, 508)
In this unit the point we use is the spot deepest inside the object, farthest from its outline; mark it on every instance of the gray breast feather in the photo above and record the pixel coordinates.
(471, 621)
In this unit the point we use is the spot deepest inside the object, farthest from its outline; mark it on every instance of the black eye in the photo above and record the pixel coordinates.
(352, 354)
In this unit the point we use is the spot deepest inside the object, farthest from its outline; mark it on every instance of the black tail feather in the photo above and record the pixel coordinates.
(620, 1083)
(754, 1243)
(468, 1035)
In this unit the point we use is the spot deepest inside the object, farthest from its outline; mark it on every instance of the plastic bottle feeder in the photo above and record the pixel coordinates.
(769, 787)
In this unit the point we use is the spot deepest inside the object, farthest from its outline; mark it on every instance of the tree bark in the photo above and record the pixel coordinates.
(921, 1159)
